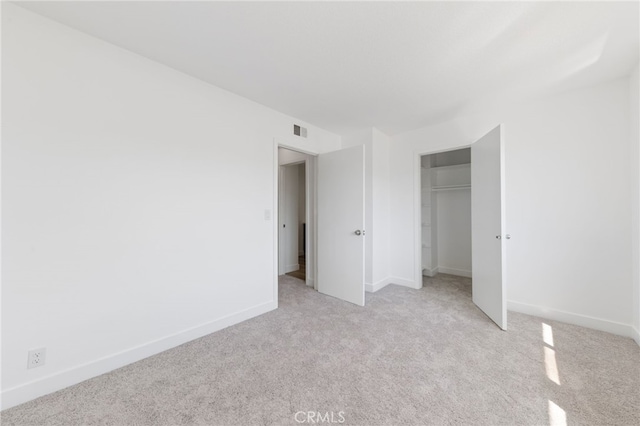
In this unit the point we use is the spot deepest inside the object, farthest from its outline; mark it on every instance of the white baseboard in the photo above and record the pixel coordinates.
(405, 282)
(454, 271)
(372, 288)
(576, 319)
(57, 381)
(291, 268)
(636, 335)
(426, 272)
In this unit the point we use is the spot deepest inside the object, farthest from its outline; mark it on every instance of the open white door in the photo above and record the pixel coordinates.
(487, 220)
(340, 224)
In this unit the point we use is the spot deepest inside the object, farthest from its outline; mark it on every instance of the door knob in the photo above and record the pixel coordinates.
(498, 237)
(359, 232)
(508, 237)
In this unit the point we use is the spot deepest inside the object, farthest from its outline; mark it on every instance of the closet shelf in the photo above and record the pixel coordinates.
(449, 187)
(453, 166)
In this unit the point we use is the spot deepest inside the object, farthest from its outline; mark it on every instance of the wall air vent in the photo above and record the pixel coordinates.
(299, 131)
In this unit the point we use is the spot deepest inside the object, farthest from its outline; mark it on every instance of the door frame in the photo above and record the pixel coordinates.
(311, 240)
(417, 206)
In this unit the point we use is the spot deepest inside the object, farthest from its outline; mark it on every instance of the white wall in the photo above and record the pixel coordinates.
(130, 191)
(634, 114)
(380, 274)
(454, 232)
(567, 202)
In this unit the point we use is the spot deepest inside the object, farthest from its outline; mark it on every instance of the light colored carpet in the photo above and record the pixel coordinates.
(410, 357)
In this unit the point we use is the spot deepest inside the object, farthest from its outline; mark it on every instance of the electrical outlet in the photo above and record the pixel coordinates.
(36, 358)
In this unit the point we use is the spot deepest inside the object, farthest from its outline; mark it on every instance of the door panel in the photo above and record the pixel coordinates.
(281, 222)
(487, 219)
(340, 214)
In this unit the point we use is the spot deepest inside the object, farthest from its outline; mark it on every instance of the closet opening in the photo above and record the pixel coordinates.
(445, 179)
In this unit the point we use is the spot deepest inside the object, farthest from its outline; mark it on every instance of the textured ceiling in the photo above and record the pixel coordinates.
(396, 66)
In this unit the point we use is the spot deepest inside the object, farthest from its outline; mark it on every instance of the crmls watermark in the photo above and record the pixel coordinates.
(318, 417)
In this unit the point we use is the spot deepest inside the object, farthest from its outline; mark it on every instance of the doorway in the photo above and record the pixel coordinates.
(296, 215)
(479, 171)
(292, 220)
(445, 179)
(334, 228)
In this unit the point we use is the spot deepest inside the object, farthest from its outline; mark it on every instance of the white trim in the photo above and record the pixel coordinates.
(54, 382)
(635, 334)
(311, 193)
(275, 222)
(450, 167)
(405, 282)
(454, 271)
(572, 318)
(293, 146)
(372, 288)
(417, 222)
(426, 272)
